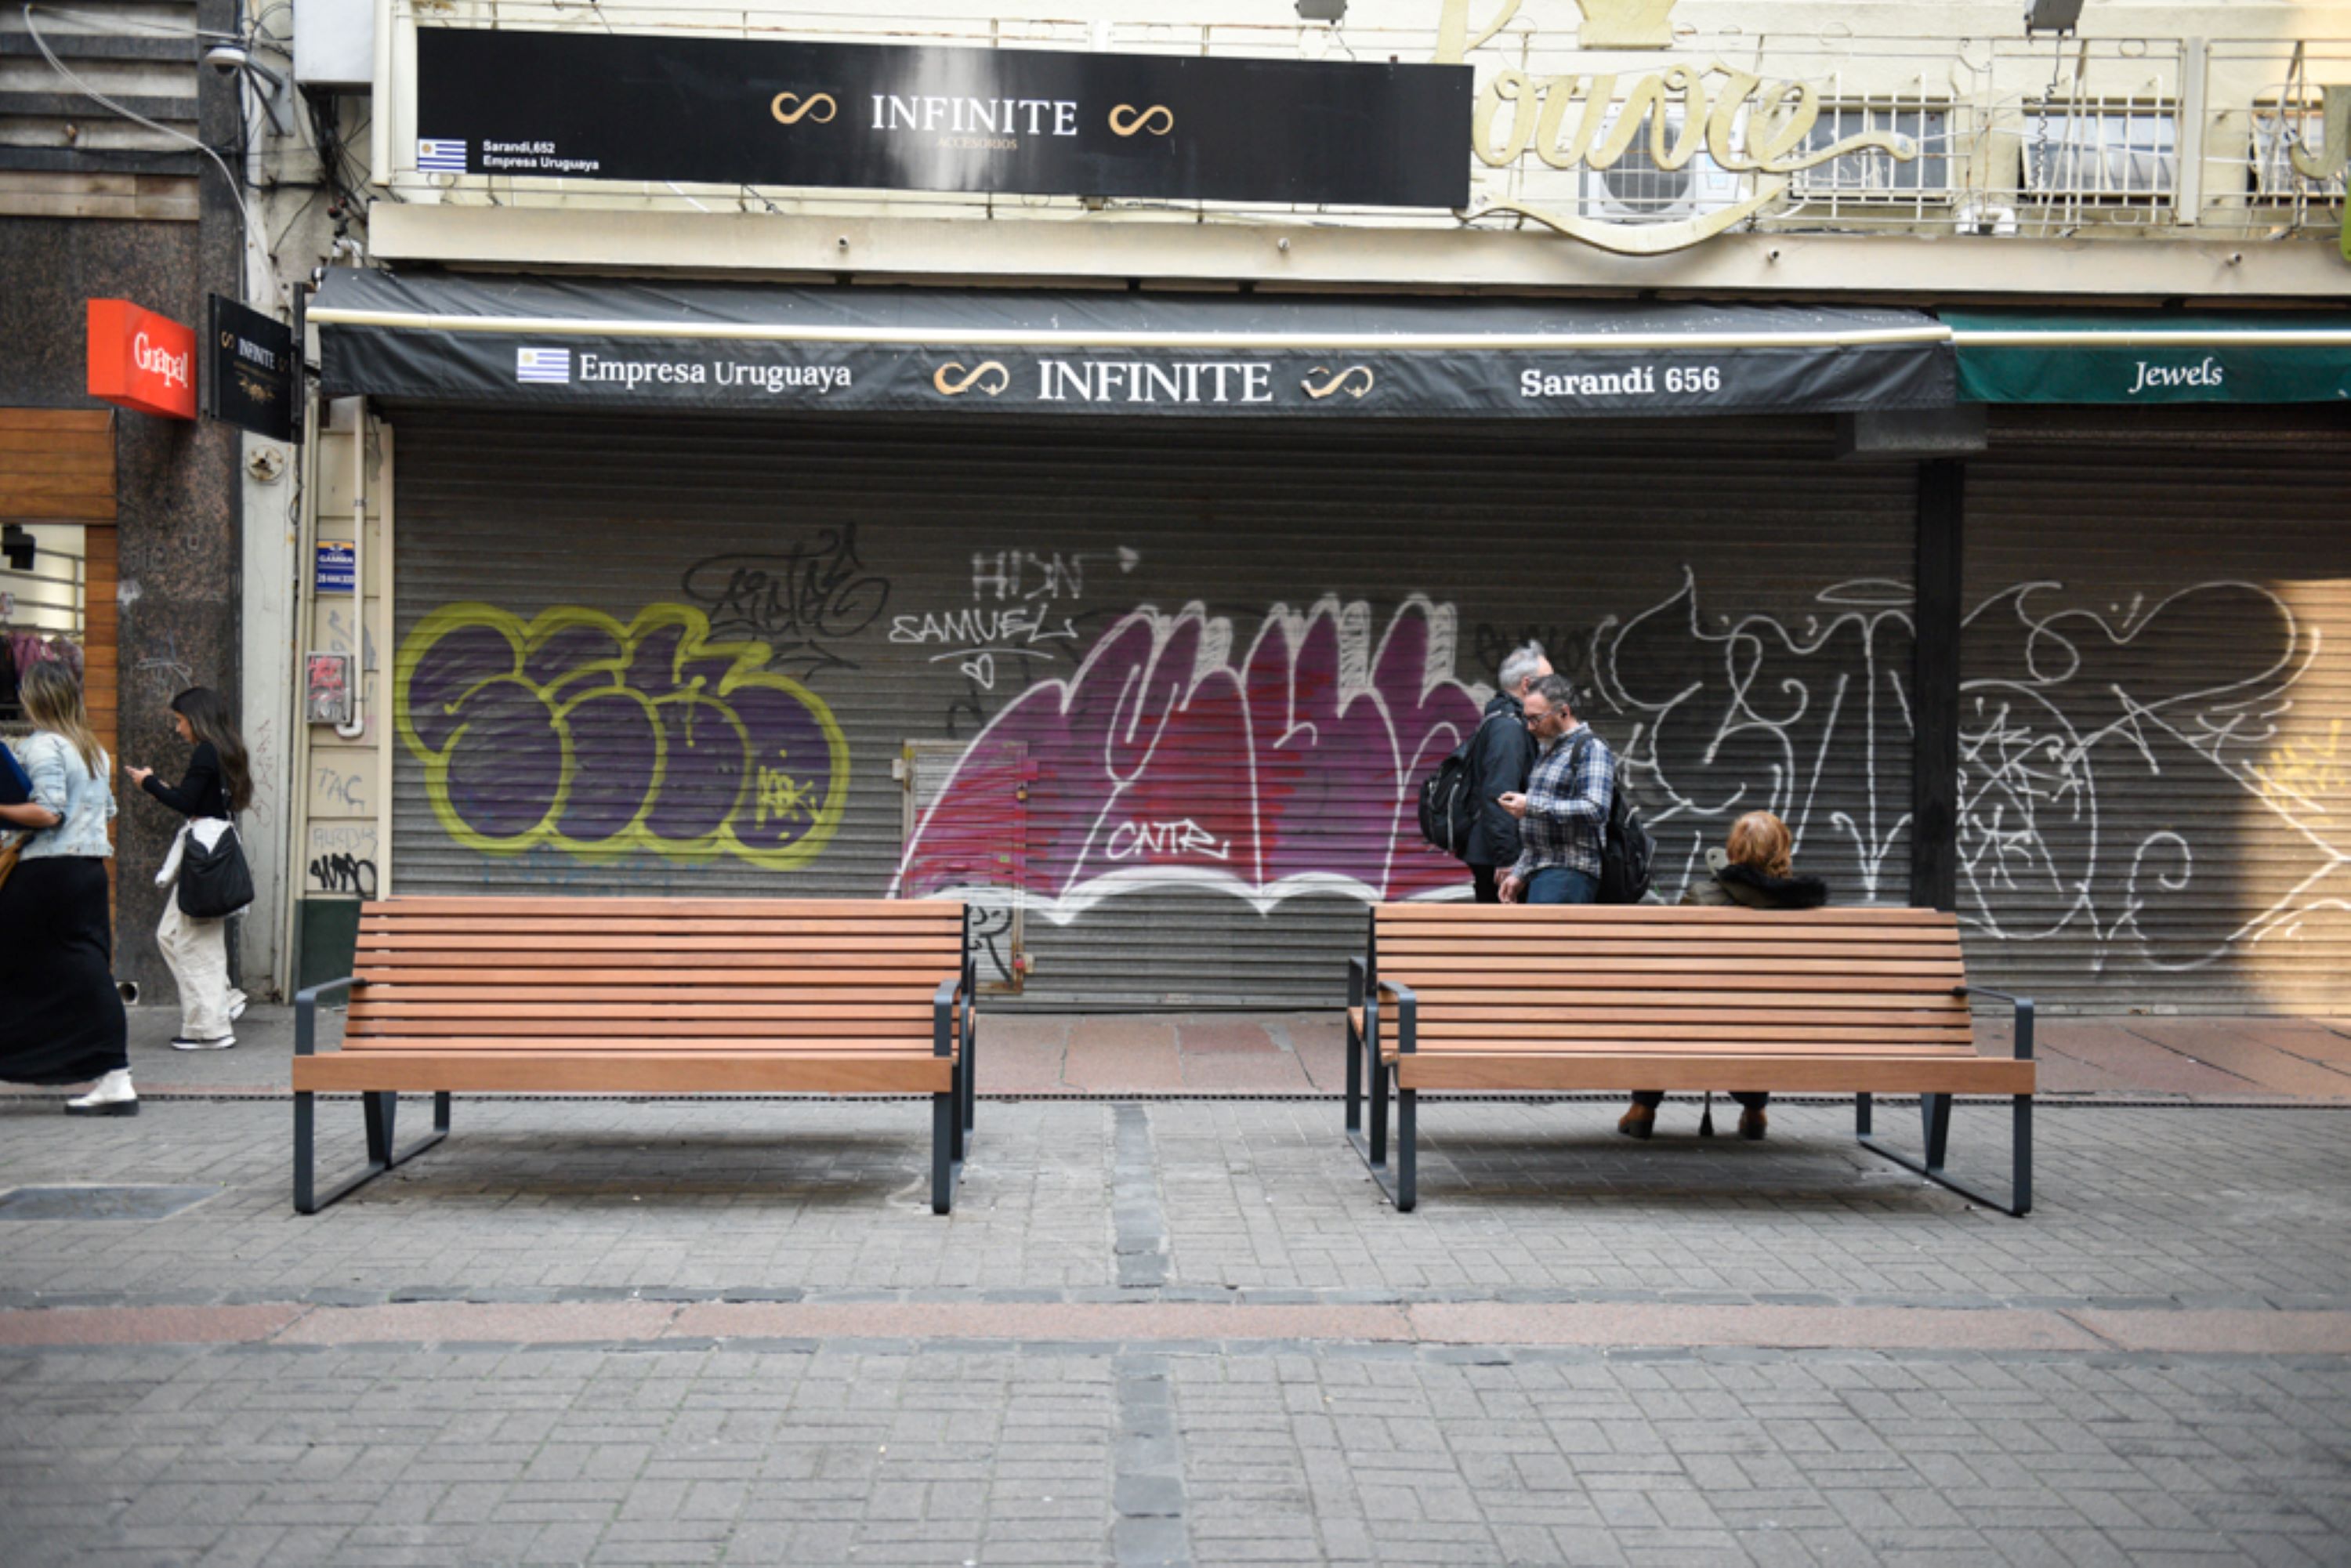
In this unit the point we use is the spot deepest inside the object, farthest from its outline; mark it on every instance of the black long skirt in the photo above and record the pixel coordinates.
(60, 1017)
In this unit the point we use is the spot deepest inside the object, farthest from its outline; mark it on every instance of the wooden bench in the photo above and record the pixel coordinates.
(655, 995)
(1560, 998)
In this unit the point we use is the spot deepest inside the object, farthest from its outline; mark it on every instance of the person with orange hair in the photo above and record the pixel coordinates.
(1754, 869)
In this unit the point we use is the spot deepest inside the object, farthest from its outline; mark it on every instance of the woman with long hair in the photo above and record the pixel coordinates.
(1754, 869)
(60, 1017)
(219, 784)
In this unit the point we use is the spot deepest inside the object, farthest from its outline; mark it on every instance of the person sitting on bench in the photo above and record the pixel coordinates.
(1752, 870)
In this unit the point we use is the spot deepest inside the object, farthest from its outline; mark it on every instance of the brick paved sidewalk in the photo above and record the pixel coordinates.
(1183, 1332)
(1299, 1053)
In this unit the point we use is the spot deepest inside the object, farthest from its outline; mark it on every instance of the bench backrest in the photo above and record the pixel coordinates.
(505, 972)
(1715, 979)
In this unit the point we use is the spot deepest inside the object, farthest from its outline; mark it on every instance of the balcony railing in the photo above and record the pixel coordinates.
(2050, 138)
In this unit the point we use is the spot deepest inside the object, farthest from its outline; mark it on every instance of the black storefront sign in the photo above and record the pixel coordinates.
(680, 374)
(249, 379)
(556, 344)
(885, 117)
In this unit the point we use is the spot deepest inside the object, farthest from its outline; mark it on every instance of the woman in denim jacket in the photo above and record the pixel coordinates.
(63, 1022)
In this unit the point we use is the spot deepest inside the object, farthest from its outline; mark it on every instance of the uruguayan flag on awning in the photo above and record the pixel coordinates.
(543, 365)
(441, 157)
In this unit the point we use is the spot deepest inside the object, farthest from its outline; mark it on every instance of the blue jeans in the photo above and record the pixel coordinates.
(1557, 884)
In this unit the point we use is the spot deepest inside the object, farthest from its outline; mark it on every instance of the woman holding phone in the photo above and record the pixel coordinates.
(218, 785)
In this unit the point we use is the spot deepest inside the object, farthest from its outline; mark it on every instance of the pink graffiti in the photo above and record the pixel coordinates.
(1292, 769)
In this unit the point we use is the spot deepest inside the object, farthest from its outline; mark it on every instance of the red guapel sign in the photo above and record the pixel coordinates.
(142, 361)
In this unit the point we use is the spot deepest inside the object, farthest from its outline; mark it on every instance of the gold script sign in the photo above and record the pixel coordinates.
(1746, 124)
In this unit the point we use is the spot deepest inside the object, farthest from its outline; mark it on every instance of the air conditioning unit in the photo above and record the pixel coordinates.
(2278, 128)
(1873, 176)
(1635, 189)
(2100, 153)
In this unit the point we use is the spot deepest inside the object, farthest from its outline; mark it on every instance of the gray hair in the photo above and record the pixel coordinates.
(1557, 691)
(1519, 665)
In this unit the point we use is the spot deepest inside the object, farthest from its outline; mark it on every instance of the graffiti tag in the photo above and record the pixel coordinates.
(800, 602)
(599, 738)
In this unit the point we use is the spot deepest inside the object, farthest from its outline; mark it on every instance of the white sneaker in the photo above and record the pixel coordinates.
(235, 1006)
(185, 1043)
(111, 1096)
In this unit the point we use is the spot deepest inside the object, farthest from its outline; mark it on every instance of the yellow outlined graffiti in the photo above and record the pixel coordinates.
(519, 725)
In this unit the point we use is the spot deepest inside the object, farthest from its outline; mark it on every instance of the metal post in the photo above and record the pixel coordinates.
(1935, 686)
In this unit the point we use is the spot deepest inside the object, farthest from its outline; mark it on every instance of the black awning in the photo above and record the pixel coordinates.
(551, 343)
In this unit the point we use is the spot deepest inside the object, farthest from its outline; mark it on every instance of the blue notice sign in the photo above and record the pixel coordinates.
(338, 565)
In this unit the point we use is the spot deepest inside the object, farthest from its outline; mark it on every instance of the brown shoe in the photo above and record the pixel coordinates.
(1751, 1124)
(1637, 1122)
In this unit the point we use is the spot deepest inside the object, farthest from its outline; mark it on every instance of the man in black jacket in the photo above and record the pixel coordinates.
(1498, 765)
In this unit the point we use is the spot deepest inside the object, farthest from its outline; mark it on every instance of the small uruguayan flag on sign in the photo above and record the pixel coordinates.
(441, 157)
(543, 365)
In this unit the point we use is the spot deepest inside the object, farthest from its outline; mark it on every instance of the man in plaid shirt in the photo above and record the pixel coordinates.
(1564, 815)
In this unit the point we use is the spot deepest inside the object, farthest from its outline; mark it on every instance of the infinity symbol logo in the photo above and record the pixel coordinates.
(787, 115)
(953, 381)
(1157, 121)
(1344, 381)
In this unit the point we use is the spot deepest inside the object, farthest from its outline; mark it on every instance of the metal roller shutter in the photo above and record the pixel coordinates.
(1195, 672)
(2155, 688)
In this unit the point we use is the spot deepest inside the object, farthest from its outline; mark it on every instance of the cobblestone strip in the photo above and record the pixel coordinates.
(1138, 1221)
(1148, 1468)
(1598, 1326)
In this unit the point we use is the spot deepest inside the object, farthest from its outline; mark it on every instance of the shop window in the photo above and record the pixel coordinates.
(43, 605)
(1874, 175)
(2123, 153)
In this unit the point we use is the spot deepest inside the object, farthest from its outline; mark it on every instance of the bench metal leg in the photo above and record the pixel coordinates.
(947, 1135)
(1408, 1149)
(970, 1083)
(1396, 1186)
(379, 1109)
(1935, 1115)
(1355, 1076)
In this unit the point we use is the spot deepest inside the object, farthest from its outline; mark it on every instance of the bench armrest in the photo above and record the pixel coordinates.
(2023, 1010)
(942, 1009)
(306, 1014)
(1355, 973)
(1407, 1015)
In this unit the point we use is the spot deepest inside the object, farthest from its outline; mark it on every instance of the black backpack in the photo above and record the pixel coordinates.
(1627, 850)
(1448, 800)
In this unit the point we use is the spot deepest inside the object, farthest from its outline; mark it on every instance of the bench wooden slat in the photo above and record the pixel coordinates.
(1786, 1044)
(1694, 1009)
(1566, 986)
(1398, 958)
(1483, 917)
(389, 960)
(783, 1033)
(656, 939)
(1948, 973)
(500, 1034)
(389, 1011)
(912, 910)
(527, 985)
(549, 925)
(1674, 998)
(1751, 928)
(482, 1068)
(1941, 1074)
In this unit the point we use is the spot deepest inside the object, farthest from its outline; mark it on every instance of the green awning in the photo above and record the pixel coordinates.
(2116, 356)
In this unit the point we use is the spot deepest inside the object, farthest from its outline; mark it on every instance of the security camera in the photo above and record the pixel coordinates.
(229, 58)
